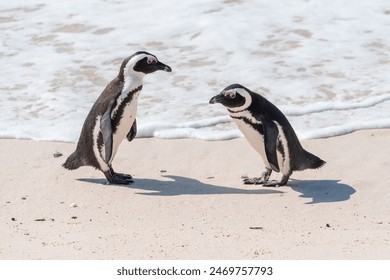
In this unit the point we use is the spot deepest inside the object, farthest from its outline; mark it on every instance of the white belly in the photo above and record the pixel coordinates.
(125, 125)
(255, 139)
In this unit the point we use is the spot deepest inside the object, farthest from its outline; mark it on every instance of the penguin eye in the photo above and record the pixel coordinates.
(232, 95)
(151, 60)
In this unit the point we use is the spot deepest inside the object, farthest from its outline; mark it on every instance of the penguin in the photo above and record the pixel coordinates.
(269, 132)
(113, 118)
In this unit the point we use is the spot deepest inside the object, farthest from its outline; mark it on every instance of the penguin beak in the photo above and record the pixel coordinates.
(217, 99)
(163, 67)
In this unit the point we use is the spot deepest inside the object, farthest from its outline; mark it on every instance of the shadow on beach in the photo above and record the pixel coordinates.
(179, 185)
(322, 190)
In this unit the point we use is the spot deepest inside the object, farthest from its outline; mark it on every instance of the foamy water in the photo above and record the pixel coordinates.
(325, 64)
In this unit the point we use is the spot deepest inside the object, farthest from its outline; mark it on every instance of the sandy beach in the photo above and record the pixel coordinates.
(188, 202)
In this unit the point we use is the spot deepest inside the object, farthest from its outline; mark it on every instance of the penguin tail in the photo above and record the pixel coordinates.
(312, 161)
(72, 162)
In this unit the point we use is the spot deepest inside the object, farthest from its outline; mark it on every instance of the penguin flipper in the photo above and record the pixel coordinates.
(133, 131)
(271, 133)
(106, 130)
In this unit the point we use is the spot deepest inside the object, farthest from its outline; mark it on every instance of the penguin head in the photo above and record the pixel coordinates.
(141, 63)
(235, 97)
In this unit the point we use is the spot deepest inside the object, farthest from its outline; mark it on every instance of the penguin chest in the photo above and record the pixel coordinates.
(253, 131)
(126, 120)
(253, 135)
(126, 114)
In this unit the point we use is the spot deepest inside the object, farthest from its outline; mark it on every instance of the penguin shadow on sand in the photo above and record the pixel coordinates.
(322, 191)
(179, 185)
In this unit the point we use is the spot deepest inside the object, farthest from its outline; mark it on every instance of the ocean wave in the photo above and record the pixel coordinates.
(332, 131)
(335, 106)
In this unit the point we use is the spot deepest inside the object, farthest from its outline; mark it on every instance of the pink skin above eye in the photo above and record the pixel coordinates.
(150, 60)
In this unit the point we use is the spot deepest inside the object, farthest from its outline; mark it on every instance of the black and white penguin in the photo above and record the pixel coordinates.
(113, 117)
(269, 132)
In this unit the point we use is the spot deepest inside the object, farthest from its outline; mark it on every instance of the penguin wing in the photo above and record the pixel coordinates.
(271, 133)
(106, 129)
(133, 131)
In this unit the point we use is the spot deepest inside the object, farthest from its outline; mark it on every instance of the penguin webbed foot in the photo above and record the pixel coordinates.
(254, 181)
(259, 180)
(115, 180)
(275, 183)
(122, 175)
(118, 178)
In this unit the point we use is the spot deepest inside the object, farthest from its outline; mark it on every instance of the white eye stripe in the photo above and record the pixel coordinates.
(245, 95)
(133, 61)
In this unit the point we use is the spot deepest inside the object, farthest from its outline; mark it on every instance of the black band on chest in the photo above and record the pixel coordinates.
(118, 114)
(256, 126)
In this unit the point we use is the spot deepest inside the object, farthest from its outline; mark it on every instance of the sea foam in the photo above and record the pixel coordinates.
(324, 64)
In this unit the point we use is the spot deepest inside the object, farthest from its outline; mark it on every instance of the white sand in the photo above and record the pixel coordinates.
(188, 202)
